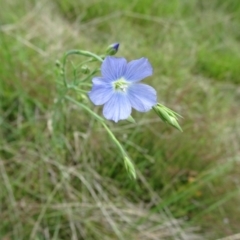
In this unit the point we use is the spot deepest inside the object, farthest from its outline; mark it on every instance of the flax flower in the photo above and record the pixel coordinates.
(119, 89)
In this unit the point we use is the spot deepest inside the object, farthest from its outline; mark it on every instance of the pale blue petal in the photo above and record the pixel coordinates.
(138, 69)
(117, 108)
(142, 97)
(113, 68)
(101, 91)
(99, 80)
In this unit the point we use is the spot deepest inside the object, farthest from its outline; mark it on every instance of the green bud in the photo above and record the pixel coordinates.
(82, 97)
(57, 64)
(129, 167)
(175, 124)
(162, 113)
(167, 115)
(85, 69)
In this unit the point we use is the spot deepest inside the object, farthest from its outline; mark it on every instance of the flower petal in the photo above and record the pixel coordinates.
(117, 108)
(99, 80)
(101, 91)
(113, 68)
(138, 69)
(142, 97)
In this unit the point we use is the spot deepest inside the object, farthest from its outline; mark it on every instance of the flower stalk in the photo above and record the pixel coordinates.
(118, 89)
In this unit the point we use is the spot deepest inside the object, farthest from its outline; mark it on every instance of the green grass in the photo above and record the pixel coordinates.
(70, 183)
(222, 65)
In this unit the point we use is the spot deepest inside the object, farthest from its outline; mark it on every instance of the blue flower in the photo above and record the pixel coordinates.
(119, 89)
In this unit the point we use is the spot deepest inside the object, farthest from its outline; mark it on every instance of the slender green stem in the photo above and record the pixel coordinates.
(86, 108)
(93, 57)
(114, 139)
(127, 162)
(85, 62)
(83, 53)
(90, 75)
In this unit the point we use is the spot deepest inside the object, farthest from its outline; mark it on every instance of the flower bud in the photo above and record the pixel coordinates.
(85, 69)
(129, 167)
(167, 115)
(162, 113)
(175, 123)
(112, 49)
(58, 64)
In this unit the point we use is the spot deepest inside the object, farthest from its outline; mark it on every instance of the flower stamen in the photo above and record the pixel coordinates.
(120, 85)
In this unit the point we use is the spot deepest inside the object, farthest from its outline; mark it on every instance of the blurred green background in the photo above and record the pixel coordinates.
(71, 184)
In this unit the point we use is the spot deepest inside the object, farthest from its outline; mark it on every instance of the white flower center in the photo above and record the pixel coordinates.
(121, 85)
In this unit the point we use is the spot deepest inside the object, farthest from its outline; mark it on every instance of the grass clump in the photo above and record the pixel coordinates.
(221, 64)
